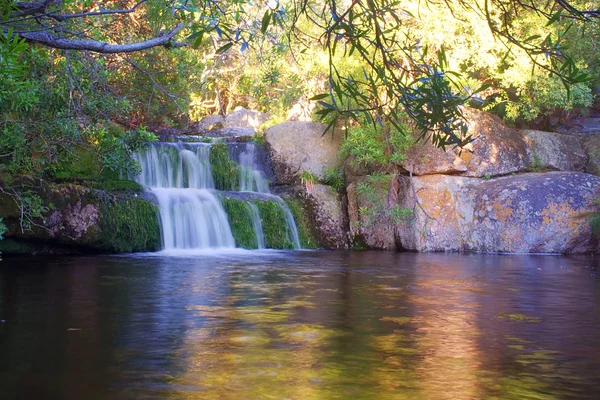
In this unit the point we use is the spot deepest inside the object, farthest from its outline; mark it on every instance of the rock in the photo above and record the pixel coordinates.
(328, 215)
(301, 111)
(298, 147)
(591, 145)
(528, 213)
(84, 220)
(208, 123)
(370, 201)
(497, 150)
(424, 158)
(555, 150)
(436, 222)
(241, 117)
(231, 132)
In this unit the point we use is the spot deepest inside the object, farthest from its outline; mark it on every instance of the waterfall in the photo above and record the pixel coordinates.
(257, 225)
(192, 215)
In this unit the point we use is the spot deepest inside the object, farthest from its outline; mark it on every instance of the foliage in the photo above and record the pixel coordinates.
(373, 146)
(334, 177)
(226, 172)
(373, 194)
(2, 229)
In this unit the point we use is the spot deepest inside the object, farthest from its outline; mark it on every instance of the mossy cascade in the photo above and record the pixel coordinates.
(216, 195)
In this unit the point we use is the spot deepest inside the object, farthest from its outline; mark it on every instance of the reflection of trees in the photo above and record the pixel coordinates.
(382, 326)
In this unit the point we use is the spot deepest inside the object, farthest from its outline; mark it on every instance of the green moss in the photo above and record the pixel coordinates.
(81, 164)
(129, 224)
(114, 185)
(226, 173)
(277, 232)
(306, 229)
(240, 221)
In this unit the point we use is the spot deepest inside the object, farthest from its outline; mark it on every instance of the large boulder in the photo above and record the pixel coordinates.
(81, 219)
(208, 123)
(591, 145)
(298, 147)
(528, 213)
(242, 117)
(496, 150)
(555, 150)
(328, 215)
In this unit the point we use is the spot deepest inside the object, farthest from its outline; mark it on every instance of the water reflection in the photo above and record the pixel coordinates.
(300, 325)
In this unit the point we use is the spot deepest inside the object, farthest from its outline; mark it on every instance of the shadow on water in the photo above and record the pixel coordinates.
(300, 325)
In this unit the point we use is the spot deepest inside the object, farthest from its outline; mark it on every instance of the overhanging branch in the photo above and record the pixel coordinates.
(97, 46)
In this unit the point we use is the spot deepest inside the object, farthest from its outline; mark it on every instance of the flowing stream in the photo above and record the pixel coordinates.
(192, 216)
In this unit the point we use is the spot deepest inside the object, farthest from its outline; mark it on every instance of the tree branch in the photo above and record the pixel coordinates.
(50, 40)
(95, 13)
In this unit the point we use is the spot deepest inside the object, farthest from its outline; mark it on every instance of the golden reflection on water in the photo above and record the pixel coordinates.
(300, 339)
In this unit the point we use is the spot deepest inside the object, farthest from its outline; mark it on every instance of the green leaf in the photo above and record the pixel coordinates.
(265, 21)
(224, 48)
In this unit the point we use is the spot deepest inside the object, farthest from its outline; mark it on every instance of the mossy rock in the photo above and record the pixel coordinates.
(306, 227)
(240, 221)
(88, 220)
(226, 172)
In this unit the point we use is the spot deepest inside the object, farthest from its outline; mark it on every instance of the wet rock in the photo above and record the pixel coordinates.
(528, 213)
(298, 147)
(233, 132)
(555, 150)
(328, 215)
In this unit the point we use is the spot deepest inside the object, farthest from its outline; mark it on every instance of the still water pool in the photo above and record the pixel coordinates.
(300, 325)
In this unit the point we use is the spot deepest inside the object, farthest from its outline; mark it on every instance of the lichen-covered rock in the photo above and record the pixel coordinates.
(328, 215)
(591, 145)
(370, 203)
(438, 217)
(86, 220)
(298, 147)
(555, 150)
(528, 213)
(242, 117)
(496, 150)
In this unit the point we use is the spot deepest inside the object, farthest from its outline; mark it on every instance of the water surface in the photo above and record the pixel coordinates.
(300, 325)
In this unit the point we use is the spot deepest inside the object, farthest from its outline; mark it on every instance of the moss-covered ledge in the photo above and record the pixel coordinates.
(80, 219)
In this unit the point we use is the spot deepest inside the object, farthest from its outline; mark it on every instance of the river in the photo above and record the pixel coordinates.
(300, 325)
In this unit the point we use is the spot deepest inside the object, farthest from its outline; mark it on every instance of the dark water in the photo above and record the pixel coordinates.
(305, 325)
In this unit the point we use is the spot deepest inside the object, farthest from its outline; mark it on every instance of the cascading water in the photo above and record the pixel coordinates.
(192, 216)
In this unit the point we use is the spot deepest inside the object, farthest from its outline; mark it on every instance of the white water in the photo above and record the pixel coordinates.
(257, 225)
(251, 178)
(192, 217)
